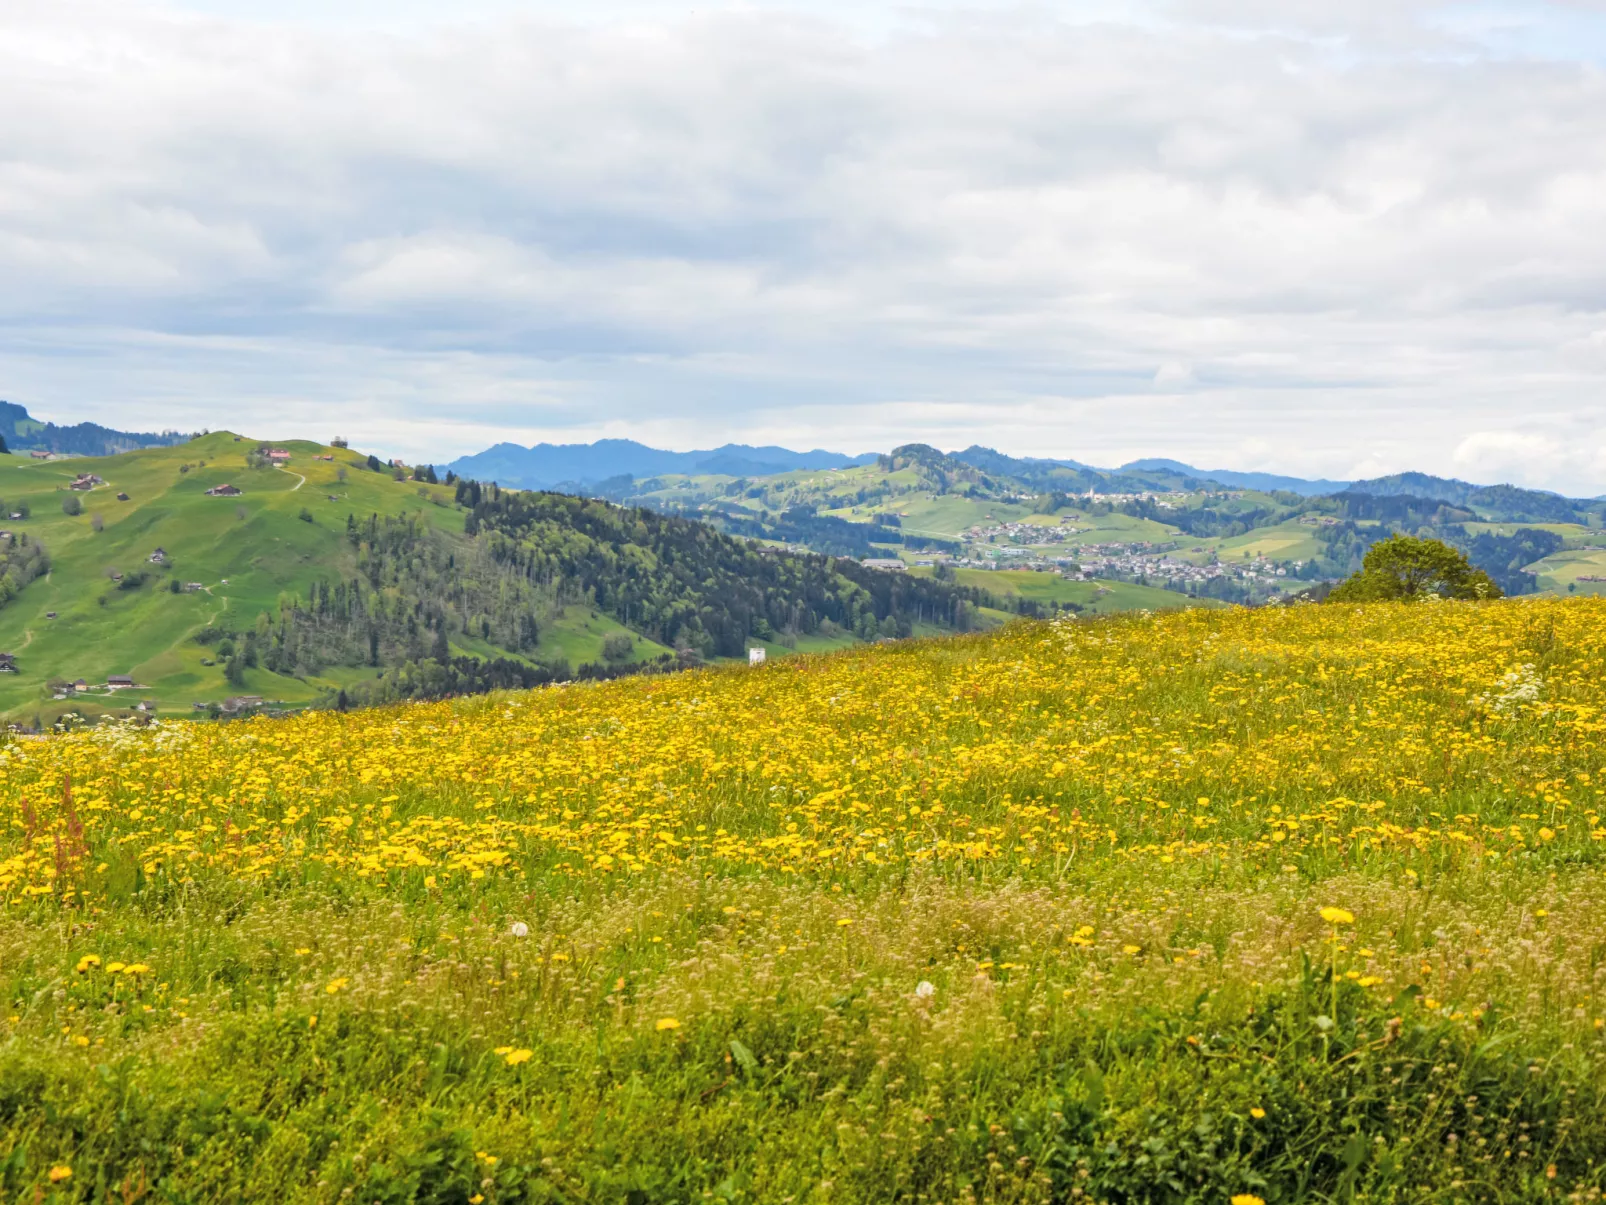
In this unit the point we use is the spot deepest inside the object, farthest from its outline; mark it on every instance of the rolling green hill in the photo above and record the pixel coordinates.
(243, 553)
(329, 575)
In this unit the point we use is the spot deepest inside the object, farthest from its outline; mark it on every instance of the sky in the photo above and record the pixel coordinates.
(1301, 236)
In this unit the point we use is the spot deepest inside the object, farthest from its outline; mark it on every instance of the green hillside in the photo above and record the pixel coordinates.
(243, 552)
(1051, 590)
(328, 576)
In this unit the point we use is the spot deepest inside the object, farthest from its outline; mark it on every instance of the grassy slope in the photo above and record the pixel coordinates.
(1028, 918)
(1100, 597)
(256, 543)
(245, 551)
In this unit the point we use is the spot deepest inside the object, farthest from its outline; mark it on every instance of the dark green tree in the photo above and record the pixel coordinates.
(1407, 569)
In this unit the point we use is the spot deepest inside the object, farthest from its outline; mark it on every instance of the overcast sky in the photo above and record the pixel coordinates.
(1301, 235)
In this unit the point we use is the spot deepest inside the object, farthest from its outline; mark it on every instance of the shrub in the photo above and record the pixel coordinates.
(1404, 568)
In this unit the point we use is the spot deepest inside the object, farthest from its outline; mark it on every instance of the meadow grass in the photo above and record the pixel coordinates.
(1030, 916)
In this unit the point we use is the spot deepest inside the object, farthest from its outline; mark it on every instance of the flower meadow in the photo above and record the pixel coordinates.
(1294, 904)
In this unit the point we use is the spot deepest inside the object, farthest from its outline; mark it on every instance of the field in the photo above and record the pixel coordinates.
(1295, 904)
(1099, 597)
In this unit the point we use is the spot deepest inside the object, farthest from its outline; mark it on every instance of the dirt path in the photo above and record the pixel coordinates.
(27, 638)
(300, 480)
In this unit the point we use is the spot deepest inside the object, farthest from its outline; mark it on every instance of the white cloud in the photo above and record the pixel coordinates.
(1305, 237)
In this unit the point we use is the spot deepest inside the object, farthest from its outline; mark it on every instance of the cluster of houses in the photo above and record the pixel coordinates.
(85, 481)
(114, 683)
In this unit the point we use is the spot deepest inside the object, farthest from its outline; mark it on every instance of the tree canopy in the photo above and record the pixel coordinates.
(1404, 568)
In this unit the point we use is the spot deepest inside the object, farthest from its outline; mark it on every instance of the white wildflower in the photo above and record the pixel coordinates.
(1516, 689)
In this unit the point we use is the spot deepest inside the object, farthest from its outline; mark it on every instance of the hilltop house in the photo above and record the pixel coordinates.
(278, 455)
(224, 491)
(159, 557)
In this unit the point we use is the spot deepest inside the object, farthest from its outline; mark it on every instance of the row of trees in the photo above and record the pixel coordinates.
(22, 560)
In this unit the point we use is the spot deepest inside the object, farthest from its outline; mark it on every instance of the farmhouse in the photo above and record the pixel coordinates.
(891, 564)
(119, 681)
(85, 481)
(39, 455)
(159, 557)
(238, 703)
(8, 663)
(122, 497)
(278, 455)
(224, 491)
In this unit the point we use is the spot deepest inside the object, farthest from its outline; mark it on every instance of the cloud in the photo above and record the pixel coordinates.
(1295, 236)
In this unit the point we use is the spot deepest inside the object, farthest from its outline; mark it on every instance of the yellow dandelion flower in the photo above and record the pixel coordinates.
(335, 986)
(1338, 916)
(60, 1172)
(1246, 1198)
(87, 963)
(667, 1023)
(1257, 1113)
(515, 1057)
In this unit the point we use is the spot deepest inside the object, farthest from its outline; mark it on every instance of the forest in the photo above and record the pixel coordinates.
(688, 586)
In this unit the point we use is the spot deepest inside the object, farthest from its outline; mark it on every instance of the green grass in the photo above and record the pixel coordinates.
(257, 544)
(1097, 596)
(1291, 541)
(578, 634)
